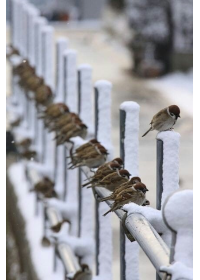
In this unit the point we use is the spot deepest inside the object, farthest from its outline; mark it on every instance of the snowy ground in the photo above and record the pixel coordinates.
(111, 62)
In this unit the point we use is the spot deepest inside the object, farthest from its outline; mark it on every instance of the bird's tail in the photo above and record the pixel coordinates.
(107, 212)
(86, 184)
(147, 131)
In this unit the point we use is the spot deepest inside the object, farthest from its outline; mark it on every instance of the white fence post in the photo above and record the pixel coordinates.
(61, 46)
(86, 219)
(129, 128)
(103, 224)
(71, 99)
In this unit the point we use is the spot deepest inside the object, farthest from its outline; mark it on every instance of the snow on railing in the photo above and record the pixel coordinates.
(68, 223)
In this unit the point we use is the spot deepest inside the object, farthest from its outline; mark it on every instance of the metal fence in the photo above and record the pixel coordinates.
(34, 40)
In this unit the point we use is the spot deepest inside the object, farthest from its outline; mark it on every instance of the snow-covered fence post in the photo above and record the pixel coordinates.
(129, 152)
(103, 224)
(86, 115)
(48, 72)
(178, 216)
(71, 99)
(39, 127)
(33, 13)
(61, 46)
(167, 165)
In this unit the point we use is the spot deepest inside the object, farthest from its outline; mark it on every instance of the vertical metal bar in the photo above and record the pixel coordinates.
(79, 170)
(159, 178)
(96, 97)
(122, 235)
(159, 174)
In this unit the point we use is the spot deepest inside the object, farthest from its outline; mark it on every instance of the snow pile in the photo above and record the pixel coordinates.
(33, 225)
(178, 214)
(178, 271)
(131, 154)
(171, 141)
(71, 96)
(178, 87)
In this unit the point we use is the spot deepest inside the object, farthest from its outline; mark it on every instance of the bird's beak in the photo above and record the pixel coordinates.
(146, 190)
(179, 116)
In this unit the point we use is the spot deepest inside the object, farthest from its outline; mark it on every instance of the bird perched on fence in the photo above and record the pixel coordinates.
(53, 112)
(126, 185)
(92, 159)
(43, 95)
(64, 120)
(33, 82)
(135, 194)
(24, 144)
(110, 168)
(83, 147)
(29, 154)
(72, 130)
(164, 119)
(115, 160)
(113, 180)
(44, 186)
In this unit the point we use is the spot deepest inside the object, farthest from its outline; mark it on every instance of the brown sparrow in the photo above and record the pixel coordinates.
(34, 82)
(25, 143)
(126, 185)
(64, 120)
(22, 67)
(135, 194)
(29, 154)
(55, 110)
(43, 95)
(92, 142)
(110, 168)
(113, 180)
(164, 119)
(43, 186)
(93, 159)
(78, 129)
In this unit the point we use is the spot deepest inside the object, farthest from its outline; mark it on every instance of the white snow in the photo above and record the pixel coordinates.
(178, 212)
(71, 94)
(33, 225)
(178, 271)
(171, 142)
(178, 88)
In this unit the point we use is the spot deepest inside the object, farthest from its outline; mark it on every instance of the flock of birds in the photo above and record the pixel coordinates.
(58, 118)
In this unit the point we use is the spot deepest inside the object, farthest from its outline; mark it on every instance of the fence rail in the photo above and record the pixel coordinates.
(74, 206)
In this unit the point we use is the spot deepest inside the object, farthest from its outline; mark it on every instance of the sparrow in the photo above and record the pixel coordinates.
(92, 142)
(135, 194)
(113, 180)
(44, 186)
(16, 122)
(55, 110)
(25, 76)
(78, 129)
(110, 168)
(164, 119)
(22, 67)
(43, 95)
(93, 159)
(84, 152)
(126, 185)
(115, 160)
(29, 154)
(64, 120)
(25, 143)
(33, 83)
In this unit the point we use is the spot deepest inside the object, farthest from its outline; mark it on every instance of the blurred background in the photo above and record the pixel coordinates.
(144, 47)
